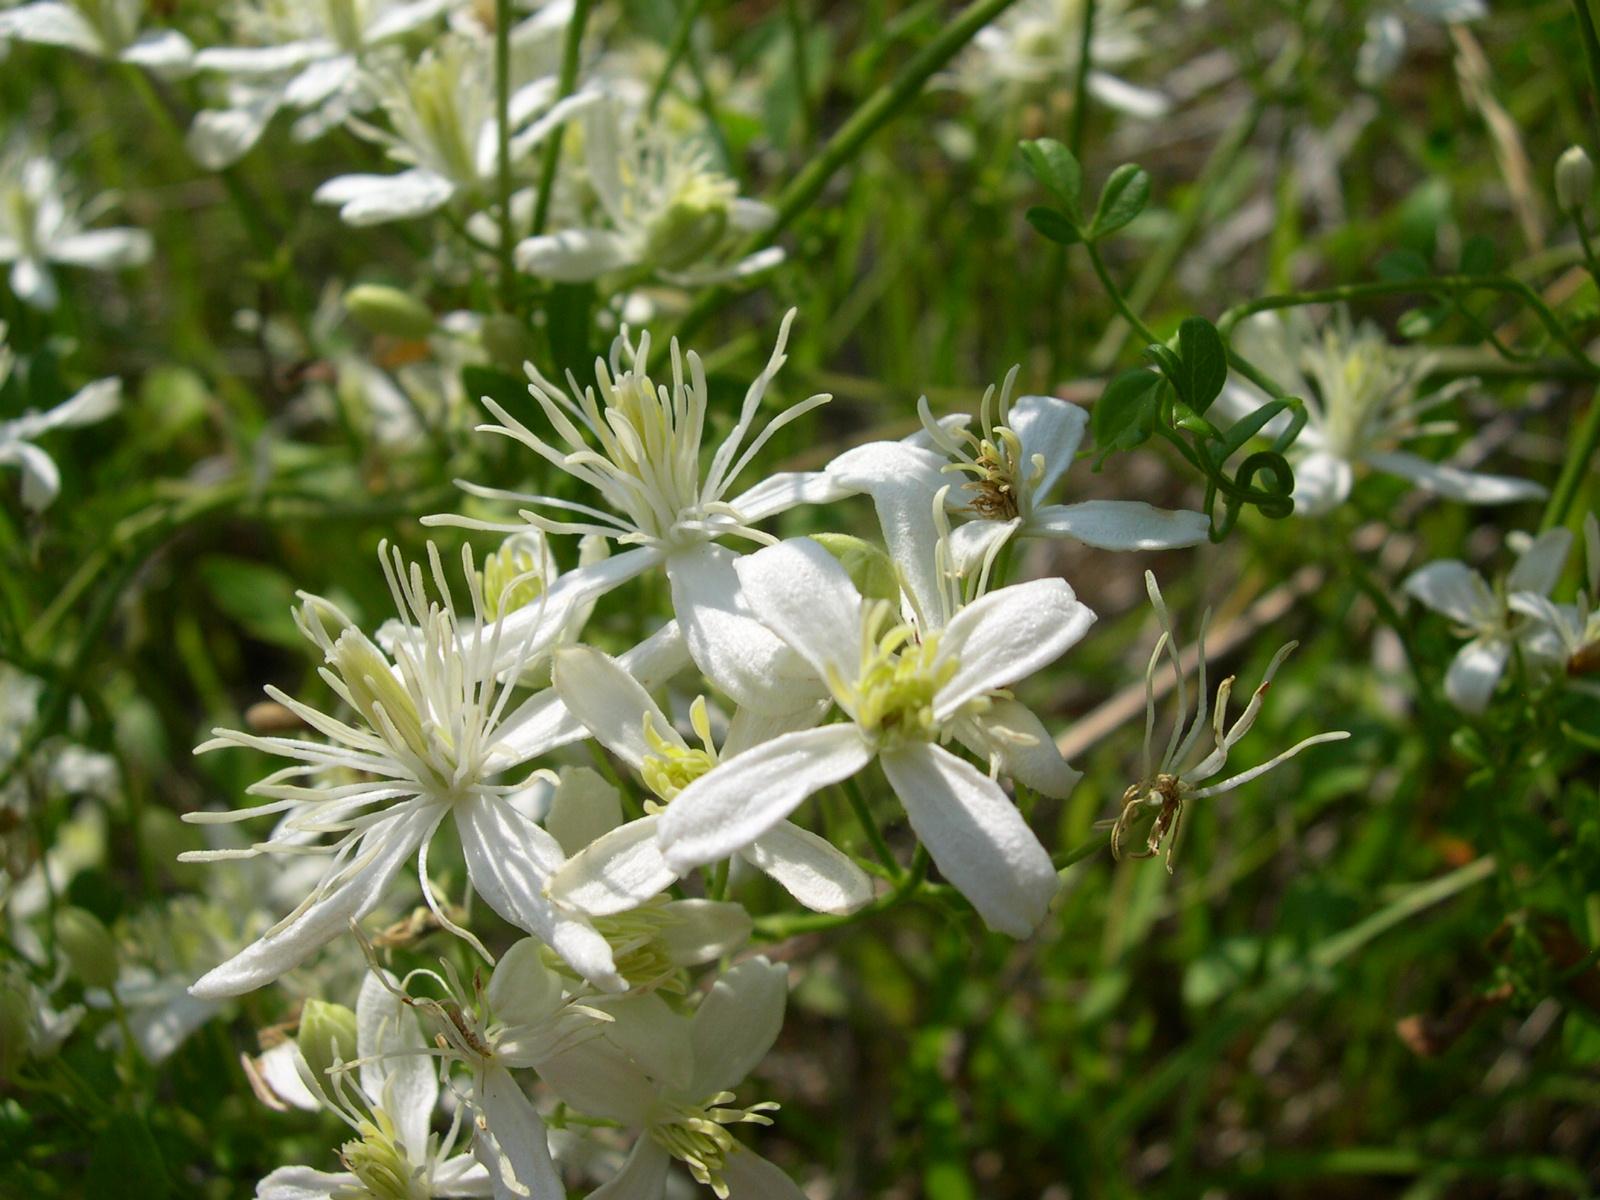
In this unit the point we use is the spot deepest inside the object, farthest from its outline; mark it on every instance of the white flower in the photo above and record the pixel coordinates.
(1012, 463)
(903, 694)
(1035, 46)
(42, 223)
(658, 204)
(637, 444)
(390, 1108)
(624, 867)
(434, 731)
(41, 481)
(676, 1088)
(444, 125)
(1385, 33)
(101, 29)
(1567, 633)
(1361, 403)
(309, 55)
(1491, 625)
(1186, 763)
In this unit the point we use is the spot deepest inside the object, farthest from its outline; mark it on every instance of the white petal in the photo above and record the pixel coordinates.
(165, 51)
(972, 544)
(105, 249)
(509, 860)
(1454, 589)
(1124, 97)
(1321, 483)
(319, 80)
(33, 284)
(395, 1072)
(811, 869)
(585, 808)
(517, 1151)
(1453, 483)
(1052, 427)
(461, 1175)
(1006, 636)
(785, 490)
(751, 1177)
(41, 479)
(652, 1034)
(643, 1176)
(91, 403)
(279, 1068)
(599, 1080)
(736, 802)
(1009, 734)
(523, 990)
(975, 836)
(374, 199)
(902, 480)
(619, 871)
(1473, 673)
(401, 19)
(383, 849)
(574, 255)
(748, 661)
(701, 930)
(803, 595)
(302, 1183)
(1539, 566)
(219, 138)
(748, 728)
(1380, 52)
(51, 24)
(737, 1023)
(609, 702)
(262, 60)
(1121, 525)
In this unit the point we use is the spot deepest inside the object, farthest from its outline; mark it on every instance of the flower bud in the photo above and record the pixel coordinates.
(1574, 179)
(327, 1036)
(381, 309)
(690, 229)
(88, 947)
(869, 568)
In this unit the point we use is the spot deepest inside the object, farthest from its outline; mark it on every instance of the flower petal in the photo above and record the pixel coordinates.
(1454, 589)
(1009, 734)
(574, 255)
(617, 872)
(104, 249)
(1539, 566)
(513, 1147)
(303, 1183)
(1006, 636)
(746, 659)
(49, 23)
(1321, 483)
(585, 808)
(737, 1023)
(701, 930)
(736, 802)
(374, 199)
(361, 886)
(1473, 673)
(751, 1177)
(902, 480)
(811, 869)
(803, 595)
(1120, 525)
(643, 1176)
(975, 836)
(785, 490)
(395, 1071)
(1468, 487)
(1052, 428)
(609, 702)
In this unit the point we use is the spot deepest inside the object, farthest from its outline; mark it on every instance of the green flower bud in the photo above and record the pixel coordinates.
(693, 225)
(1574, 179)
(869, 568)
(381, 309)
(327, 1035)
(88, 946)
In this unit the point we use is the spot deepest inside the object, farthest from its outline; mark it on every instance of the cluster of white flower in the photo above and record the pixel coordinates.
(823, 655)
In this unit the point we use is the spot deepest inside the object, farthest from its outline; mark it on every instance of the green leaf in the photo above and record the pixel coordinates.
(1205, 363)
(1402, 264)
(256, 597)
(1122, 199)
(1478, 256)
(127, 1162)
(1052, 165)
(1125, 414)
(1053, 225)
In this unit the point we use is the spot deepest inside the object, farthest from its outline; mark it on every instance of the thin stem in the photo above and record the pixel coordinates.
(801, 68)
(1442, 285)
(675, 52)
(1587, 243)
(567, 85)
(912, 884)
(1080, 90)
(858, 805)
(1081, 851)
(1115, 293)
(844, 145)
(1574, 467)
(502, 101)
(1591, 54)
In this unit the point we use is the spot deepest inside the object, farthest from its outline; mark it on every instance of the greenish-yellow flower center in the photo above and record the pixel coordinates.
(513, 578)
(697, 1135)
(892, 699)
(381, 1166)
(671, 765)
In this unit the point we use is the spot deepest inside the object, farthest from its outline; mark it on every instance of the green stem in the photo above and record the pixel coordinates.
(1080, 87)
(844, 145)
(1574, 467)
(1081, 851)
(675, 52)
(567, 85)
(502, 100)
(787, 925)
(1115, 293)
(1591, 53)
(802, 69)
(858, 805)
(1441, 285)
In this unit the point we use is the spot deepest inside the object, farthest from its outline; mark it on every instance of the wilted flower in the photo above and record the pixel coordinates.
(1166, 784)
